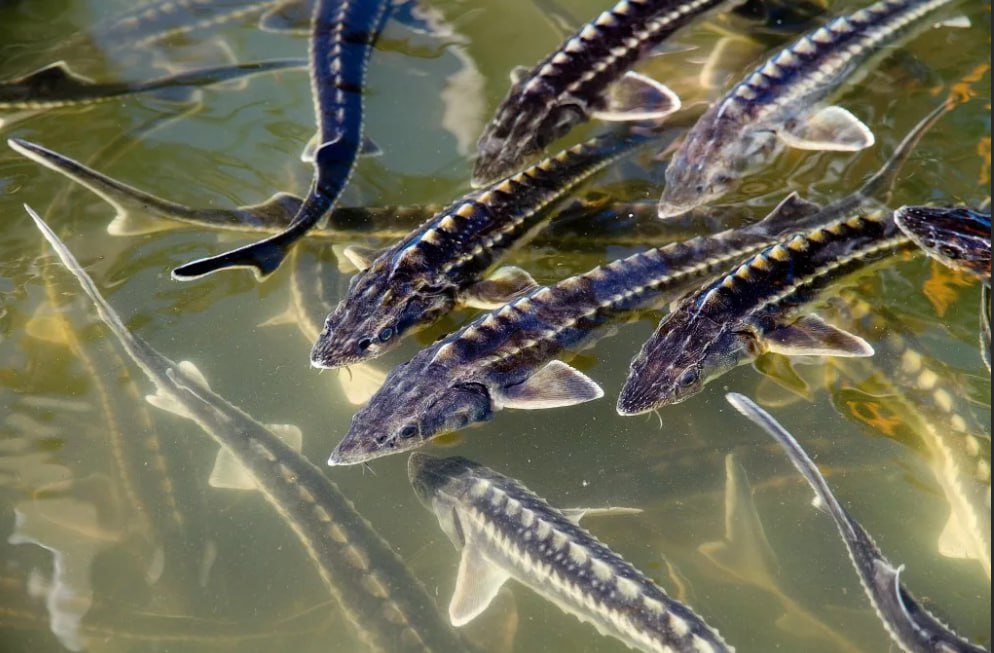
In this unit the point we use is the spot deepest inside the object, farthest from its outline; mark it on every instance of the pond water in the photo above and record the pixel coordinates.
(90, 472)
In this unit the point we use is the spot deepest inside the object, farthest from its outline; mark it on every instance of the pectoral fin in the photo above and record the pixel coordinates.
(953, 541)
(576, 514)
(637, 97)
(557, 384)
(812, 336)
(831, 128)
(360, 257)
(230, 474)
(478, 582)
(504, 285)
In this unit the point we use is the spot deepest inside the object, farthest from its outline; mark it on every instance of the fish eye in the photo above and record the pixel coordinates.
(364, 344)
(408, 432)
(948, 251)
(688, 378)
(385, 334)
(699, 188)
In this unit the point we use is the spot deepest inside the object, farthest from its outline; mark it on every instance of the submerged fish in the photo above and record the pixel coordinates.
(958, 238)
(390, 608)
(571, 85)
(909, 624)
(342, 36)
(441, 263)
(505, 359)
(56, 85)
(505, 531)
(919, 392)
(778, 103)
(754, 309)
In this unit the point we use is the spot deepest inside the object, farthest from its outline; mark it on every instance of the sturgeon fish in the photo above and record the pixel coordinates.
(779, 104)
(959, 238)
(56, 85)
(342, 36)
(921, 393)
(571, 85)
(506, 531)
(909, 624)
(754, 309)
(440, 264)
(506, 358)
(392, 611)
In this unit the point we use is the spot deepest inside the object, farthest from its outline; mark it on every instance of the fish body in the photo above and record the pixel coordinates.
(154, 22)
(441, 263)
(342, 36)
(909, 624)
(777, 104)
(925, 397)
(505, 358)
(57, 86)
(391, 609)
(958, 238)
(505, 531)
(754, 309)
(570, 85)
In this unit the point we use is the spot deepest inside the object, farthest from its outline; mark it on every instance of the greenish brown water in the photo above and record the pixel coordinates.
(98, 473)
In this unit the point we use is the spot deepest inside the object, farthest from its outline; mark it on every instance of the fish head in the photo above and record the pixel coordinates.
(439, 483)
(513, 141)
(416, 403)
(958, 237)
(376, 312)
(681, 357)
(708, 163)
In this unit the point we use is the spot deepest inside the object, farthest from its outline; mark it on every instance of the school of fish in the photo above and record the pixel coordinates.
(728, 284)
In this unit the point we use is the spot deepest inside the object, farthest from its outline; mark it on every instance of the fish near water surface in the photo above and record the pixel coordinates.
(779, 104)
(957, 237)
(391, 610)
(442, 263)
(505, 359)
(571, 85)
(910, 625)
(56, 85)
(755, 309)
(343, 33)
(506, 531)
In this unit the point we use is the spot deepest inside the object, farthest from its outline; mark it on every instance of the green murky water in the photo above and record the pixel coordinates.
(90, 473)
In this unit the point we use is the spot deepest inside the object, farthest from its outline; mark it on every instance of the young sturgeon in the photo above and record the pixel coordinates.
(342, 36)
(959, 238)
(774, 104)
(909, 624)
(504, 359)
(56, 85)
(755, 309)
(571, 85)
(504, 530)
(920, 393)
(392, 611)
(441, 263)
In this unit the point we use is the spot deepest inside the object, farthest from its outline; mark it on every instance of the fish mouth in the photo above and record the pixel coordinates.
(325, 359)
(667, 209)
(350, 453)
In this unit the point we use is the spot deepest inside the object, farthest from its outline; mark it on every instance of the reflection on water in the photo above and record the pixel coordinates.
(117, 538)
